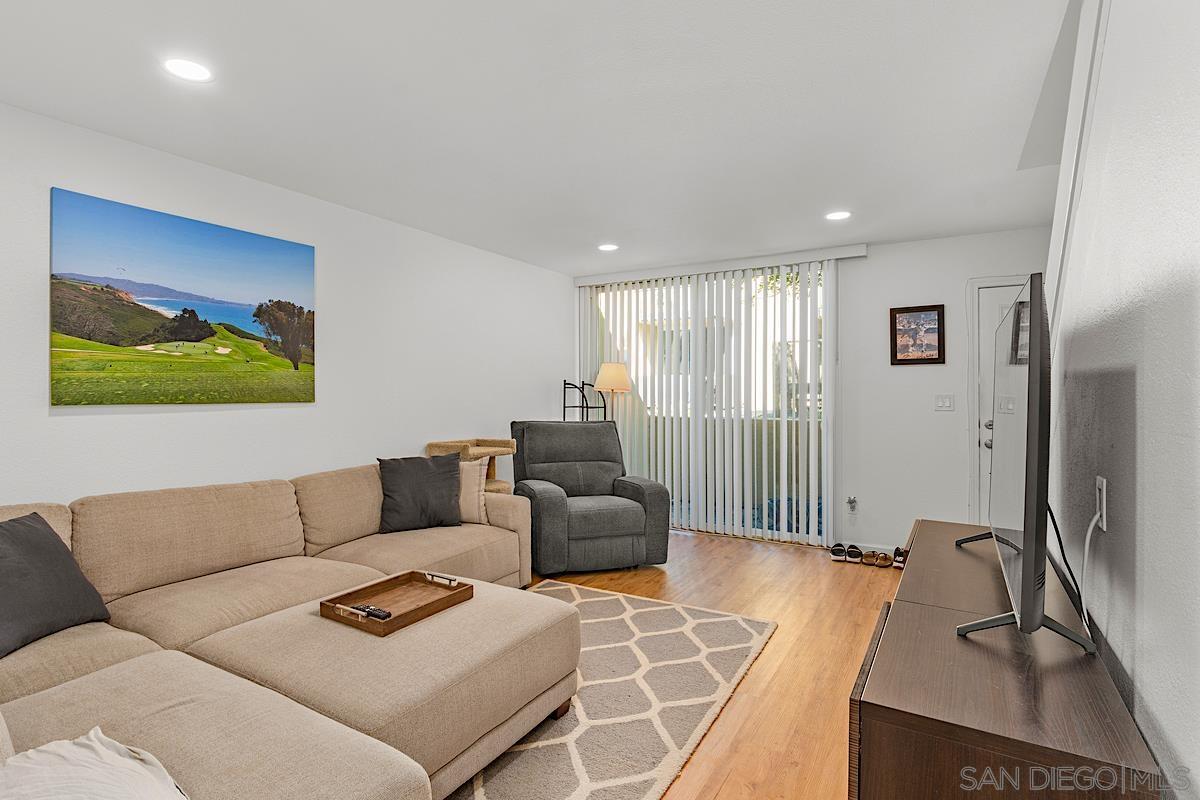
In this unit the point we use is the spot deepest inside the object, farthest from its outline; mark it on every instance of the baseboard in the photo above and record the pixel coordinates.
(865, 546)
(882, 548)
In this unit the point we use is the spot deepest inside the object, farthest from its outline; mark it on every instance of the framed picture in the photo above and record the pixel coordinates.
(148, 308)
(917, 335)
(1020, 335)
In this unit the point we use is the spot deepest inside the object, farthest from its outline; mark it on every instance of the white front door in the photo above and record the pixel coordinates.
(992, 303)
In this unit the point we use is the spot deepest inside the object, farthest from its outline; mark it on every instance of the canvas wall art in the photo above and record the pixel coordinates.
(917, 335)
(149, 307)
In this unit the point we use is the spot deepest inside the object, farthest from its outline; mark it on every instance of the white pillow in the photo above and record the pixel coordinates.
(92, 767)
(473, 477)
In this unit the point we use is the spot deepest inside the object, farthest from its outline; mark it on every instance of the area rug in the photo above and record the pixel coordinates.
(652, 678)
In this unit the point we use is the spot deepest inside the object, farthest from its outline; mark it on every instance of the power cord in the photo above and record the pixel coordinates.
(1087, 544)
(1063, 551)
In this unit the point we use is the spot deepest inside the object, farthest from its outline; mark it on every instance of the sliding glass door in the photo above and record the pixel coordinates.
(732, 375)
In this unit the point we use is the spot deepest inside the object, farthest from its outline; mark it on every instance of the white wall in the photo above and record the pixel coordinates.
(418, 337)
(898, 456)
(1127, 371)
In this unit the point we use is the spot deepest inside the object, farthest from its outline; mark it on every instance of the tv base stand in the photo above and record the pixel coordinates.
(979, 537)
(1009, 618)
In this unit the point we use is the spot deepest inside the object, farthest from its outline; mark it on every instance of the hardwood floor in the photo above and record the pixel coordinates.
(783, 733)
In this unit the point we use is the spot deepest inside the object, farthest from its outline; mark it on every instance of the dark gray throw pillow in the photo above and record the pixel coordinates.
(42, 590)
(419, 493)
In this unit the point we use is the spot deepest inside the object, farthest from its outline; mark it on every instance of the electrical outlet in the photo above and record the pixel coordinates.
(1102, 502)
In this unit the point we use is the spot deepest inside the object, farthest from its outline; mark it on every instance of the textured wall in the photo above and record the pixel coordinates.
(1127, 370)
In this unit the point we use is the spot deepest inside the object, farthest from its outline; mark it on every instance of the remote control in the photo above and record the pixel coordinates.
(372, 611)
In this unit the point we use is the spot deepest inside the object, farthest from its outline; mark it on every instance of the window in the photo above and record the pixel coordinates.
(729, 375)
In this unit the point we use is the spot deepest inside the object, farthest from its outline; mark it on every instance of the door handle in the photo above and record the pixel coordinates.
(987, 443)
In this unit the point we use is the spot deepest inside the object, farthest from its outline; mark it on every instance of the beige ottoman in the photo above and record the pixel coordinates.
(452, 691)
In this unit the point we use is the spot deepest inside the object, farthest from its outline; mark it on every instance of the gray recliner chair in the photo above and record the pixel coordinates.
(587, 513)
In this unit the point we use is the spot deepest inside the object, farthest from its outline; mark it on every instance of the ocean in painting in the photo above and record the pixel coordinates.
(234, 313)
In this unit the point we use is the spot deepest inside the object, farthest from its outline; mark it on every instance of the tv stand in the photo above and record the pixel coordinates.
(1010, 618)
(934, 714)
(978, 537)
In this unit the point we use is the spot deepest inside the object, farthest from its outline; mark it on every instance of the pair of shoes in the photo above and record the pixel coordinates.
(875, 559)
(843, 552)
(899, 557)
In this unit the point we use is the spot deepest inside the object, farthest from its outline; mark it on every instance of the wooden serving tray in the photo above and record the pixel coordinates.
(410, 596)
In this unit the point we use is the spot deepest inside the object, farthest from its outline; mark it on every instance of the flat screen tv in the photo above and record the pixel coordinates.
(1020, 439)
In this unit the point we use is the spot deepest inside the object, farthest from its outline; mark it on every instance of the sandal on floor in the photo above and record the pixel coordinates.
(854, 554)
(883, 560)
(870, 557)
(899, 557)
(838, 552)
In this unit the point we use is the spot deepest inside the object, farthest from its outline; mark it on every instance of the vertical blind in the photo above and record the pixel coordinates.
(732, 392)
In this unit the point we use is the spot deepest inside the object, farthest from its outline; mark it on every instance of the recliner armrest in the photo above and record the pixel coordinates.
(548, 517)
(643, 490)
(655, 499)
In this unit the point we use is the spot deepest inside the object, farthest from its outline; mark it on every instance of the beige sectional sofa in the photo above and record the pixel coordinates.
(217, 661)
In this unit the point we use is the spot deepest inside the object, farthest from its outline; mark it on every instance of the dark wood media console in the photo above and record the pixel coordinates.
(995, 714)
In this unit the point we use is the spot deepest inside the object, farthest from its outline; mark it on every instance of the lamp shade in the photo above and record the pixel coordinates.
(613, 377)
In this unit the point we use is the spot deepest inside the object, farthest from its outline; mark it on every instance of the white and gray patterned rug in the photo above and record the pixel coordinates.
(653, 676)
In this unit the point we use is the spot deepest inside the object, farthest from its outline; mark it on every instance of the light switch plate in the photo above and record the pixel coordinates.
(943, 402)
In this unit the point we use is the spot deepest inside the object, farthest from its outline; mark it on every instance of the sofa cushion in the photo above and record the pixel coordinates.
(180, 613)
(604, 515)
(42, 590)
(429, 690)
(138, 540)
(220, 737)
(58, 516)
(482, 552)
(339, 506)
(66, 655)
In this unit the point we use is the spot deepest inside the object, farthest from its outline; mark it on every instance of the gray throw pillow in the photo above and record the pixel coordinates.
(419, 493)
(42, 590)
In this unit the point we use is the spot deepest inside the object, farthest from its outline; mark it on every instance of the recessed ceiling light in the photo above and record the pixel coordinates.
(834, 216)
(188, 70)
(608, 248)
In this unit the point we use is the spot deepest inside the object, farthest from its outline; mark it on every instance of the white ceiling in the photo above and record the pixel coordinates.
(685, 130)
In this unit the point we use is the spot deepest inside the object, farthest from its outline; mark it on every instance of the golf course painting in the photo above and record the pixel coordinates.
(148, 307)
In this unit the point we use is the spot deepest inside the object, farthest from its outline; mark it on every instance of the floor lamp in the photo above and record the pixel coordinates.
(612, 377)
